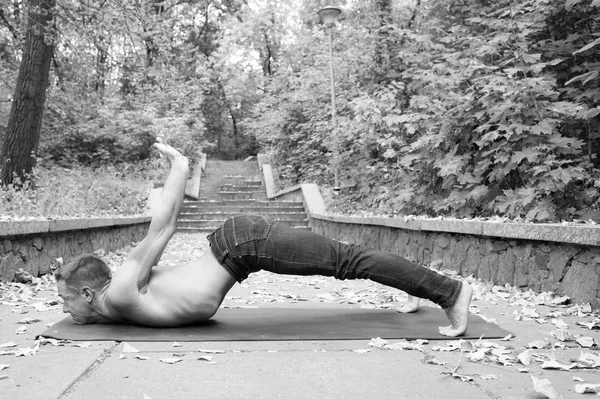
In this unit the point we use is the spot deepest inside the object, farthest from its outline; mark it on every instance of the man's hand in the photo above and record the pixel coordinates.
(168, 151)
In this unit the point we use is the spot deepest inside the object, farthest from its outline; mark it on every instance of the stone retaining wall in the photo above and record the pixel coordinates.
(34, 246)
(539, 265)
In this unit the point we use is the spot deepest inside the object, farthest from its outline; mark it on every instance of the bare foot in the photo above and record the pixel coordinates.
(458, 313)
(410, 306)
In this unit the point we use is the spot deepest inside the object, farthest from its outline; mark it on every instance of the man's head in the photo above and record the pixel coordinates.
(79, 283)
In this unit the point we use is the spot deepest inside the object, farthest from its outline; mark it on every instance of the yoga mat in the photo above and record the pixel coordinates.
(284, 324)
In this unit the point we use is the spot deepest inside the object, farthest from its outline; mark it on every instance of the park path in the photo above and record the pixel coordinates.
(544, 351)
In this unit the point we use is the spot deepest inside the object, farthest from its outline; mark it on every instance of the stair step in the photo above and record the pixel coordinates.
(218, 222)
(240, 208)
(229, 188)
(226, 215)
(245, 203)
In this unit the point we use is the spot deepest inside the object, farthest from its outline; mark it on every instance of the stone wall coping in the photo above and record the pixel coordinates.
(20, 227)
(555, 232)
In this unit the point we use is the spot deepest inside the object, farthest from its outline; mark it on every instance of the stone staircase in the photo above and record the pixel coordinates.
(232, 187)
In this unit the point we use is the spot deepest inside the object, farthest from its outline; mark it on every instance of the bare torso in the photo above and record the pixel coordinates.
(178, 295)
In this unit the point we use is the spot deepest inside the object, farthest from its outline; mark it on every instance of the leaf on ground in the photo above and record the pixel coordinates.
(3, 377)
(128, 348)
(590, 325)
(21, 330)
(462, 377)
(207, 358)
(540, 344)
(141, 357)
(450, 346)
(177, 345)
(562, 335)
(9, 344)
(211, 351)
(28, 320)
(404, 345)
(378, 342)
(555, 365)
(587, 388)
(544, 386)
(4, 366)
(28, 351)
(507, 338)
(525, 357)
(428, 359)
(589, 359)
(559, 323)
(587, 342)
(171, 360)
(530, 312)
(53, 342)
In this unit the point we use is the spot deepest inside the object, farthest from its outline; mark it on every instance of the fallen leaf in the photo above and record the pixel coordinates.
(21, 330)
(587, 388)
(559, 323)
(141, 357)
(171, 360)
(211, 351)
(3, 377)
(525, 357)
(177, 345)
(579, 379)
(4, 366)
(208, 358)
(562, 335)
(555, 365)
(378, 342)
(544, 386)
(586, 342)
(8, 345)
(29, 321)
(507, 338)
(128, 348)
(591, 325)
(540, 344)
(28, 351)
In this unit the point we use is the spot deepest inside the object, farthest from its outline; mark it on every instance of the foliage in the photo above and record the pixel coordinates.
(470, 109)
(82, 192)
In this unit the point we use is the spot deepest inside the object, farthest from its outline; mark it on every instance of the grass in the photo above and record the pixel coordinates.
(82, 192)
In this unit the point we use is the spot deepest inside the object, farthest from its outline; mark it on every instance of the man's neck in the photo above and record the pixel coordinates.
(104, 312)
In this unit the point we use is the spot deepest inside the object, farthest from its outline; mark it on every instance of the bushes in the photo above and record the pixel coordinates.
(83, 192)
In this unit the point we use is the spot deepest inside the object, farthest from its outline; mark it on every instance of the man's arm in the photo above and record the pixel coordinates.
(146, 254)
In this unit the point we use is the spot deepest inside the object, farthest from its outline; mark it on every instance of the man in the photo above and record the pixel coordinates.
(140, 293)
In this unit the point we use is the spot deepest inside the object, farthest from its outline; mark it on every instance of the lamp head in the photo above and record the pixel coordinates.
(328, 15)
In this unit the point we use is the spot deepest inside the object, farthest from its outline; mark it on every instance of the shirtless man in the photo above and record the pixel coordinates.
(140, 293)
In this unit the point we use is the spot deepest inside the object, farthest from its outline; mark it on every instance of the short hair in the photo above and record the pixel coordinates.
(84, 270)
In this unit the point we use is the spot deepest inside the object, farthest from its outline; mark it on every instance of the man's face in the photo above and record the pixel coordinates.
(74, 303)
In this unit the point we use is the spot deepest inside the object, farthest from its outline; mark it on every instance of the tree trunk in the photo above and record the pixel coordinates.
(25, 119)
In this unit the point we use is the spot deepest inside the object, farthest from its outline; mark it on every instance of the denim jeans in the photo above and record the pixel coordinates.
(247, 243)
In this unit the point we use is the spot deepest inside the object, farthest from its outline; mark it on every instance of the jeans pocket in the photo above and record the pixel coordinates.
(250, 227)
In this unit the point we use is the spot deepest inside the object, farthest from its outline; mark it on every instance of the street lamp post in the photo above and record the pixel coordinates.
(328, 16)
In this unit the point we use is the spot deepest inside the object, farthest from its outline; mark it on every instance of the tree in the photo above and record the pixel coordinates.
(25, 119)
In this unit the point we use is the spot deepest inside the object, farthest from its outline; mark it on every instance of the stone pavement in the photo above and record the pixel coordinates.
(297, 369)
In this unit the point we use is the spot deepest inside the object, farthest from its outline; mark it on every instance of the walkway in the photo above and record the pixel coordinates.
(316, 369)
